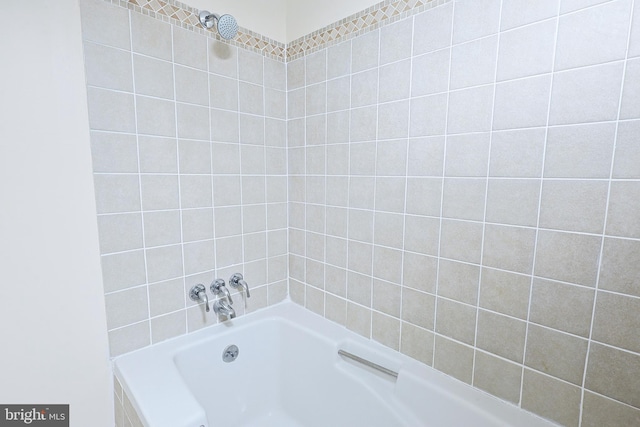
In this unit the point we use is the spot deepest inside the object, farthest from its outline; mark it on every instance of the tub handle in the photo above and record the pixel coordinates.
(197, 293)
(218, 287)
(237, 281)
(368, 363)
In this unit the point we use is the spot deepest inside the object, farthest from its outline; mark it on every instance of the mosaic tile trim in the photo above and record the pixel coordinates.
(360, 23)
(184, 16)
(370, 19)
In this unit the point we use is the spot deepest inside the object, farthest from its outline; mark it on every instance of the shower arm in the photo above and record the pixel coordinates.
(207, 19)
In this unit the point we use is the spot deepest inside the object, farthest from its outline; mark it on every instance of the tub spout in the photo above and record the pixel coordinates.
(222, 307)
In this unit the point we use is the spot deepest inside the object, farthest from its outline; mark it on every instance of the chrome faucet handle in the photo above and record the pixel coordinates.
(198, 293)
(217, 287)
(237, 281)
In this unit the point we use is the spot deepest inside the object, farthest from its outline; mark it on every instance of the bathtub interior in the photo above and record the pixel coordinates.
(288, 374)
(284, 376)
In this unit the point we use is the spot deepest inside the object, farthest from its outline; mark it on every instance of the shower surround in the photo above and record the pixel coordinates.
(456, 180)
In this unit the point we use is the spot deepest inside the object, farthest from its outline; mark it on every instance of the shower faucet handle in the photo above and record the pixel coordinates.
(198, 293)
(237, 281)
(218, 287)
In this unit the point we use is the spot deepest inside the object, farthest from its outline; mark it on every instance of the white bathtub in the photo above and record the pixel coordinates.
(289, 374)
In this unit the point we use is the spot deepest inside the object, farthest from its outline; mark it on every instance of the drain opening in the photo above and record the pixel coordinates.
(230, 353)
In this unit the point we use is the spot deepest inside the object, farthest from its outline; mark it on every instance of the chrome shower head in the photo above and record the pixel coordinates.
(227, 25)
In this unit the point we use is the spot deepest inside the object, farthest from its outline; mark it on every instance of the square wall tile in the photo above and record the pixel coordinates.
(464, 198)
(430, 73)
(586, 95)
(620, 266)
(513, 201)
(158, 155)
(417, 343)
(428, 115)
(509, 248)
(522, 103)
(526, 51)
(126, 307)
(458, 281)
(453, 359)
(627, 152)
(395, 41)
(155, 116)
(497, 376)
(551, 398)
(111, 111)
(473, 63)
(631, 91)
(616, 321)
(153, 77)
(456, 320)
(151, 37)
(580, 151)
(461, 240)
(120, 232)
(161, 228)
(582, 39)
(568, 257)
(598, 410)
(418, 308)
(123, 270)
(614, 373)
(624, 203)
(505, 292)
(94, 13)
(555, 353)
(339, 60)
(364, 52)
(501, 335)
(517, 153)
(432, 29)
(108, 68)
(117, 193)
(475, 19)
(549, 306)
(521, 12)
(574, 205)
(394, 81)
(114, 152)
(421, 234)
(189, 48)
(467, 155)
(470, 110)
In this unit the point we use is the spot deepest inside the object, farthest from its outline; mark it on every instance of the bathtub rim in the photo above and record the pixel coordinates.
(191, 412)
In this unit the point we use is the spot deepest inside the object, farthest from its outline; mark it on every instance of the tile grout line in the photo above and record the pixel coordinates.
(142, 215)
(443, 175)
(486, 197)
(604, 225)
(537, 227)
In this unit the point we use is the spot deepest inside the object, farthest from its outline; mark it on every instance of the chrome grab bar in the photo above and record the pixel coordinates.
(368, 363)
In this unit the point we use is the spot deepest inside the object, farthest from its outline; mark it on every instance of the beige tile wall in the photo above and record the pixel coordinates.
(180, 199)
(460, 180)
(463, 187)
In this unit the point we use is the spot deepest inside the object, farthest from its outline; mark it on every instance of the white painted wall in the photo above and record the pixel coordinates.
(284, 20)
(52, 316)
(307, 16)
(265, 17)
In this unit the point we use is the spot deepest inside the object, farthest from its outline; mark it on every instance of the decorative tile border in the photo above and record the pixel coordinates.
(184, 16)
(370, 19)
(357, 24)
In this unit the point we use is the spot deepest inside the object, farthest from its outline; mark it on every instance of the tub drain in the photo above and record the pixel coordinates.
(230, 353)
